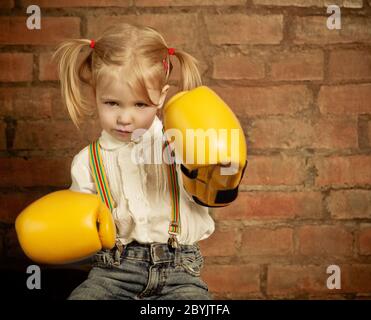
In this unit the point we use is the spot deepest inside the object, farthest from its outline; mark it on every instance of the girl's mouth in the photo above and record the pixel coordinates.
(122, 132)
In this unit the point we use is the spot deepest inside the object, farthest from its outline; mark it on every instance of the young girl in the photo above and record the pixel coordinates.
(128, 68)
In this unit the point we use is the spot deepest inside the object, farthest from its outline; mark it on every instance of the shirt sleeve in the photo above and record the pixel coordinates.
(82, 179)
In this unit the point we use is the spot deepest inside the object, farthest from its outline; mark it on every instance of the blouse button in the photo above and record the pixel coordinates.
(142, 220)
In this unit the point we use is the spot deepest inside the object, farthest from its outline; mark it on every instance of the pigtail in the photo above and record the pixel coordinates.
(70, 72)
(190, 75)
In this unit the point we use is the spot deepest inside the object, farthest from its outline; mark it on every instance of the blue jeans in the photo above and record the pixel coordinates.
(144, 271)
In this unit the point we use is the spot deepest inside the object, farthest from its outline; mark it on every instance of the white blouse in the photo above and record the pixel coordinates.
(140, 189)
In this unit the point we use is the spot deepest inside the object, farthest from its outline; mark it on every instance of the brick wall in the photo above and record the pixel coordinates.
(301, 91)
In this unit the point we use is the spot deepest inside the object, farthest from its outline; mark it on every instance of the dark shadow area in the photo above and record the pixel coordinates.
(57, 282)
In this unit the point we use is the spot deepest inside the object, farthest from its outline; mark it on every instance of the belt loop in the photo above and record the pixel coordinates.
(117, 259)
(118, 249)
(107, 257)
(120, 246)
(178, 255)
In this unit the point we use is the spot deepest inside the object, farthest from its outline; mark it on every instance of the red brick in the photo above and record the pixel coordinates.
(73, 3)
(361, 296)
(13, 203)
(13, 30)
(2, 136)
(329, 241)
(244, 29)
(356, 278)
(16, 67)
(298, 280)
(284, 133)
(47, 68)
(174, 3)
(313, 30)
(340, 171)
(7, 4)
(350, 204)
(236, 278)
(237, 67)
(274, 170)
(365, 239)
(186, 25)
(335, 133)
(35, 172)
(6, 102)
(310, 3)
(29, 103)
(330, 295)
(345, 99)
(33, 103)
(293, 279)
(296, 133)
(357, 66)
(53, 135)
(276, 100)
(369, 133)
(306, 65)
(263, 241)
(220, 243)
(272, 206)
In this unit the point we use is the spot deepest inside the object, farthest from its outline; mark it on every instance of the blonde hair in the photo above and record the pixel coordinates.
(140, 48)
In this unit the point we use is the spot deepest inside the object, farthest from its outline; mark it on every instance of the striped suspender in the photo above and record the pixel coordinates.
(174, 226)
(97, 167)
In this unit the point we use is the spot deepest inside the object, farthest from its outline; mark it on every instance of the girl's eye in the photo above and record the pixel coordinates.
(138, 104)
(141, 105)
(111, 103)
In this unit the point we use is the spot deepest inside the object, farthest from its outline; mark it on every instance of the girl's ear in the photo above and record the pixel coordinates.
(164, 91)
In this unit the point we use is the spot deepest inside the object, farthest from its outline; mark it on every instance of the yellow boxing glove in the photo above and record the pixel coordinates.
(210, 144)
(64, 227)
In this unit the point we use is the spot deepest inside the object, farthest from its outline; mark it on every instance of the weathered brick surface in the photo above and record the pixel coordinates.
(302, 93)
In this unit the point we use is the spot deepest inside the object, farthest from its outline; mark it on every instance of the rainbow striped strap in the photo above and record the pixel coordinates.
(101, 182)
(174, 226)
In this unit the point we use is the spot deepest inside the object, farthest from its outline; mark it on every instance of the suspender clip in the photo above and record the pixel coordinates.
(173, 241)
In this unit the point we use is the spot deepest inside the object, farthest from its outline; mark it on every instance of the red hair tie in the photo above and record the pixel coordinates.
(171, 52)
(92, 43)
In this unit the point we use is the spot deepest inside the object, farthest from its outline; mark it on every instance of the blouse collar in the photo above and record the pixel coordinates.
(109, 142)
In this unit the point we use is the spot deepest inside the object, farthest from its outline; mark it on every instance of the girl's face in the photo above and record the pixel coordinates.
(120, 111)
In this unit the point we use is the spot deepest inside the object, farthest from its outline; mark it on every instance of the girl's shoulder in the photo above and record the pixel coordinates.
(82, 179)
(82, 157)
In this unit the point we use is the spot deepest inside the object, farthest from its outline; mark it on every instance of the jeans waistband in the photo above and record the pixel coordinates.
(151, 252)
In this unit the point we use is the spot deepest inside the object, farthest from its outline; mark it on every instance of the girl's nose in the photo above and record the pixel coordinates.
(124, 118)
